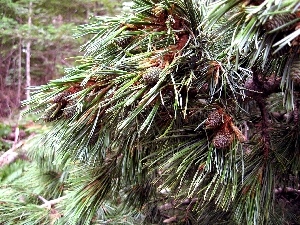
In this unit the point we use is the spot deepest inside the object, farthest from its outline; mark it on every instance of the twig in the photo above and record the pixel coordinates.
(263, 89)
(170, 220)
(11, 155)
(167, 206)
(285, 190)
(296, 113)
(48, 204)
(264, 126)
(246, 130)
(189, 201)
(174, 204)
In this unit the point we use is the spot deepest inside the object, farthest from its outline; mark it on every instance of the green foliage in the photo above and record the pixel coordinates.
(4, 131)
(11, 172)
(142, 145)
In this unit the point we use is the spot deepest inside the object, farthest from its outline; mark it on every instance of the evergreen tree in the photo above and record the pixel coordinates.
(183, 112)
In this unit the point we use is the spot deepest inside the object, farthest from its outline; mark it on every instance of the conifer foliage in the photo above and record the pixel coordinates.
(182, 112)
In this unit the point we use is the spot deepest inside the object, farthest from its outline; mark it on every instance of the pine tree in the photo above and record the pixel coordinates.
(183, 112)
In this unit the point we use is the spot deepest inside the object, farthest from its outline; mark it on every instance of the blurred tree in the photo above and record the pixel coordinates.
(45, 28)
(182, 112)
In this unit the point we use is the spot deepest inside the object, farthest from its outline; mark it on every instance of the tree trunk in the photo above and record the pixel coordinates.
(28, 78)
(19, 73)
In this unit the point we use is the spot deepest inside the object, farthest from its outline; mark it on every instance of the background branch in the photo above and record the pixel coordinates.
(12, 154)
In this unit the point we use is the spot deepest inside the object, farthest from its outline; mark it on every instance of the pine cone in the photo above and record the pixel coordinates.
(295, 71)
(53, 113)
(151, 76)
(61, 97)
(223, 139)
(214, 119)
(279, 20)
(70, 110)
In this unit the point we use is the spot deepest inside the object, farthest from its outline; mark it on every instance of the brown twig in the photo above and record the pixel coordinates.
(170, 220)
(286, 190)
(262, 89)
(175, 204)
(167, 206)
(264, 127)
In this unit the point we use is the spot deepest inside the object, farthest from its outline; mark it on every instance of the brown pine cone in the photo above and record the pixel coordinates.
(70, 110)
(214, 119)
(223, 139)
(279, 20)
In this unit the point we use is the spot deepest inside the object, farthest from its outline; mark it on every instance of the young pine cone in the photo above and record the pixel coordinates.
(52, 113)
(223, 139)
(151, 76)
(70, 110)
(214, 119)
(63, 96)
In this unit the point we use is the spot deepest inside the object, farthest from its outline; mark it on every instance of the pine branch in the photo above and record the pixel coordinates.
(259, 91)
(265, 126)
(131, 106)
